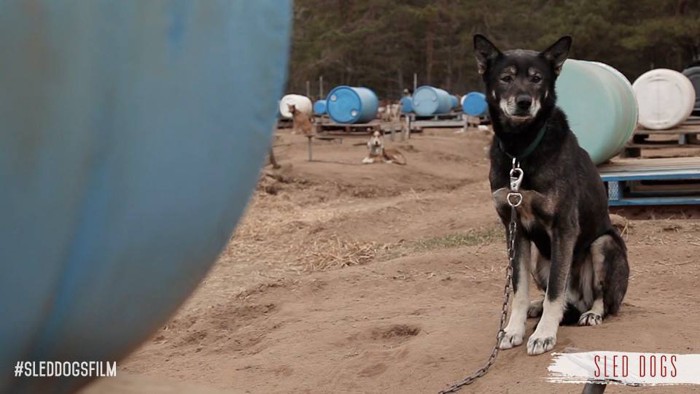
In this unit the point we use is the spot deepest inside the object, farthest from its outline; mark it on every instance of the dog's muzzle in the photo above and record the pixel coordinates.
(520, 109)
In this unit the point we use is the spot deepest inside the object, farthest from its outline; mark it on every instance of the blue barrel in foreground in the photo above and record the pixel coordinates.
(346, 104)
(320, 107)
(429, 101)
(406, 105)
(124, 165)
(600, 105)
(474, 104)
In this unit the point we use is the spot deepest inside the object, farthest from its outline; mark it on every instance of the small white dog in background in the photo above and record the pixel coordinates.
(378, 154)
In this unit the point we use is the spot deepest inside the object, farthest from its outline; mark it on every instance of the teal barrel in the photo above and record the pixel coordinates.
(429, 101)
(406, 105)
(320, 107)
(474, 104)
(131, 137)
(600, 105)
(346, 104)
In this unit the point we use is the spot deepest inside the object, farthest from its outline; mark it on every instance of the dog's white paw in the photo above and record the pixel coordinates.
(590, 319)
(538, 344)
(511, 339)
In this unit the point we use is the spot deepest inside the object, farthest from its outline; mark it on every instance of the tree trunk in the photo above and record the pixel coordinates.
(429, 52)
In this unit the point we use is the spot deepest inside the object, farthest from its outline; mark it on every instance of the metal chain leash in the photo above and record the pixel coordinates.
(514, 199)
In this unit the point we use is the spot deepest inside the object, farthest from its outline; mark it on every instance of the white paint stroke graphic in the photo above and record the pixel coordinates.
(625, 368)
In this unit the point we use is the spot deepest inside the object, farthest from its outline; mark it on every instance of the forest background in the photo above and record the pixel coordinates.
(381, 44)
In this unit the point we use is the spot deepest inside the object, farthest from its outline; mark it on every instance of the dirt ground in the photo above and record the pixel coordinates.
(351, 278)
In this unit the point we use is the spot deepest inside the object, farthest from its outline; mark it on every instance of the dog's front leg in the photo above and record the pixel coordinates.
(545, 336)
(515, 330)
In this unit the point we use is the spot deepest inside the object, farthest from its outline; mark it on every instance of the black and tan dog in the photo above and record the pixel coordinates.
(565, 238)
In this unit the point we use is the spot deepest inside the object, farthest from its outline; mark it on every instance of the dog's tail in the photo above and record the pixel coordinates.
(395, 156)
(617, 272)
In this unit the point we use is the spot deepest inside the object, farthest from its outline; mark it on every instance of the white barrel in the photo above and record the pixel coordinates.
(665, 97)
(302, 103)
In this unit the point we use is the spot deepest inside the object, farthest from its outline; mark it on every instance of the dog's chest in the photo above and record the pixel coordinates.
(534, 209)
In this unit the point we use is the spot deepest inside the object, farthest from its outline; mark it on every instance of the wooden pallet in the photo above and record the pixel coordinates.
(663, 174)
(285, 123)
(687, 137)
(331, 127)
(453, 115)
(452, 120)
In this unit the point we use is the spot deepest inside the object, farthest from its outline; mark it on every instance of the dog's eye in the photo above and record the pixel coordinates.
(535, 79)
(507, 78)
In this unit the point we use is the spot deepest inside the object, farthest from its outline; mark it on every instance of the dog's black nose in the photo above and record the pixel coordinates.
(523, 102)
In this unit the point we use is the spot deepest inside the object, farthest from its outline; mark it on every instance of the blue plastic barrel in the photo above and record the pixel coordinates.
(474, 104)
(124, 165)
(600, 105)
(406, 105)
(428, 101)
(320, 107)
(347, 104)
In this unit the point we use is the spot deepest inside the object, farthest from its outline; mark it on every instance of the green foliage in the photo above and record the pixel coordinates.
(382, 43)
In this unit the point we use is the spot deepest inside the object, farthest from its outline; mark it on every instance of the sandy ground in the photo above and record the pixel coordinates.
(351, 278)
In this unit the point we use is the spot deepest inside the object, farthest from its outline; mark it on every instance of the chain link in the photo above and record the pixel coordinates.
(512, 228)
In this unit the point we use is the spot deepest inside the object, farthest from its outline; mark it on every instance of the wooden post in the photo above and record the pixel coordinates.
(310, 155)
(415, 81)
(393, 127)
(273, 160)
(408, 127)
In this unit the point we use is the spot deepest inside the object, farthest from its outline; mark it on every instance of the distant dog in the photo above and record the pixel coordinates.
(378, 154)
(581, 260)
(389, 111)
(301, 121)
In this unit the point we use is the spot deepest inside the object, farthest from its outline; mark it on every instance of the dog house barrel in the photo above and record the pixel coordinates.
(132, 137)
(406, 105)
(600, 105)
(302, 103)
(320, 107)
(693, 74)
(474, 104)
(429, 101)
(346, 104)
(666, 98)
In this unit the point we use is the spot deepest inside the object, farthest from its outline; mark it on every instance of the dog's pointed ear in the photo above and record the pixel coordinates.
(557, 53)
(485, 52)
